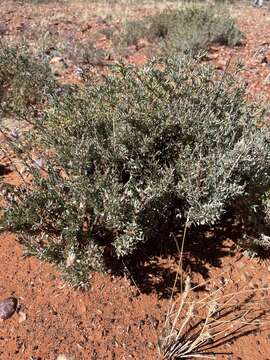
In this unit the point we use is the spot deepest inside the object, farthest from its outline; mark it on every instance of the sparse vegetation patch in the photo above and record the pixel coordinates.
(191, 28)
(25, 82)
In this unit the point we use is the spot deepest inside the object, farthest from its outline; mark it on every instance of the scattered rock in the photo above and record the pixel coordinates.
(3, 29)
(22, 316)
(8, 307)
(78, 72)
(58, 65)
(40, 163)
(14, 133)
(64, 357)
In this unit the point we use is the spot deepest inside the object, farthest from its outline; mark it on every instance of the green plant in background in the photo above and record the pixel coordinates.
(192, 28)
(125, 157)
(134, 31)
(36, 2)
(25, 82)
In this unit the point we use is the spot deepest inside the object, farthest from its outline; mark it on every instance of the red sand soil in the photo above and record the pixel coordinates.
(116, 319)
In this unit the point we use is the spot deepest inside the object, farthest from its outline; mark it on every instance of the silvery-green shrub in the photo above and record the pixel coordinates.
(132, 152)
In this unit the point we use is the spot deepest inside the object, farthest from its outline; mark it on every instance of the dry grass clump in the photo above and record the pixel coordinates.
(195, 328)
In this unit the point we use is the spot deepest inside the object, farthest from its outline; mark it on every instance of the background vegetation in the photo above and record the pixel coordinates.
(188, 29)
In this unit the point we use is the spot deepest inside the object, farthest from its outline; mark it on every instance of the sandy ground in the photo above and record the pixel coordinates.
(119, 317)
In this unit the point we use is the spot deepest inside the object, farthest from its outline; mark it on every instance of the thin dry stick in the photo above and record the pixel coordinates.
(181, 256)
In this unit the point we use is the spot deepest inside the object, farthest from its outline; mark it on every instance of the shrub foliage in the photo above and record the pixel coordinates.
(129, 155)
(24, 81)
(191, 28)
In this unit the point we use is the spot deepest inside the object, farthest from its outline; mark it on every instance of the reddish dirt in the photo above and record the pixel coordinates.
(255, 52)
(116, 319)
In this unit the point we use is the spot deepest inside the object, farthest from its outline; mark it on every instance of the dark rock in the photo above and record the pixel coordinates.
(3, 29)
(8, 307)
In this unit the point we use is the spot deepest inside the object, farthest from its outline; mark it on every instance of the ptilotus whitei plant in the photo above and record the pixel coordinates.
(131, 154)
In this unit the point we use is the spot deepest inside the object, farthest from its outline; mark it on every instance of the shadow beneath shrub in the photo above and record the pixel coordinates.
(154, 268)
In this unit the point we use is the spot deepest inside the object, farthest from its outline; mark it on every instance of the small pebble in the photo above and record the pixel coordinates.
(64, 357)
(14, 133)
(40, 163)
(78, 71)
(8, 307)
(22, 316)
